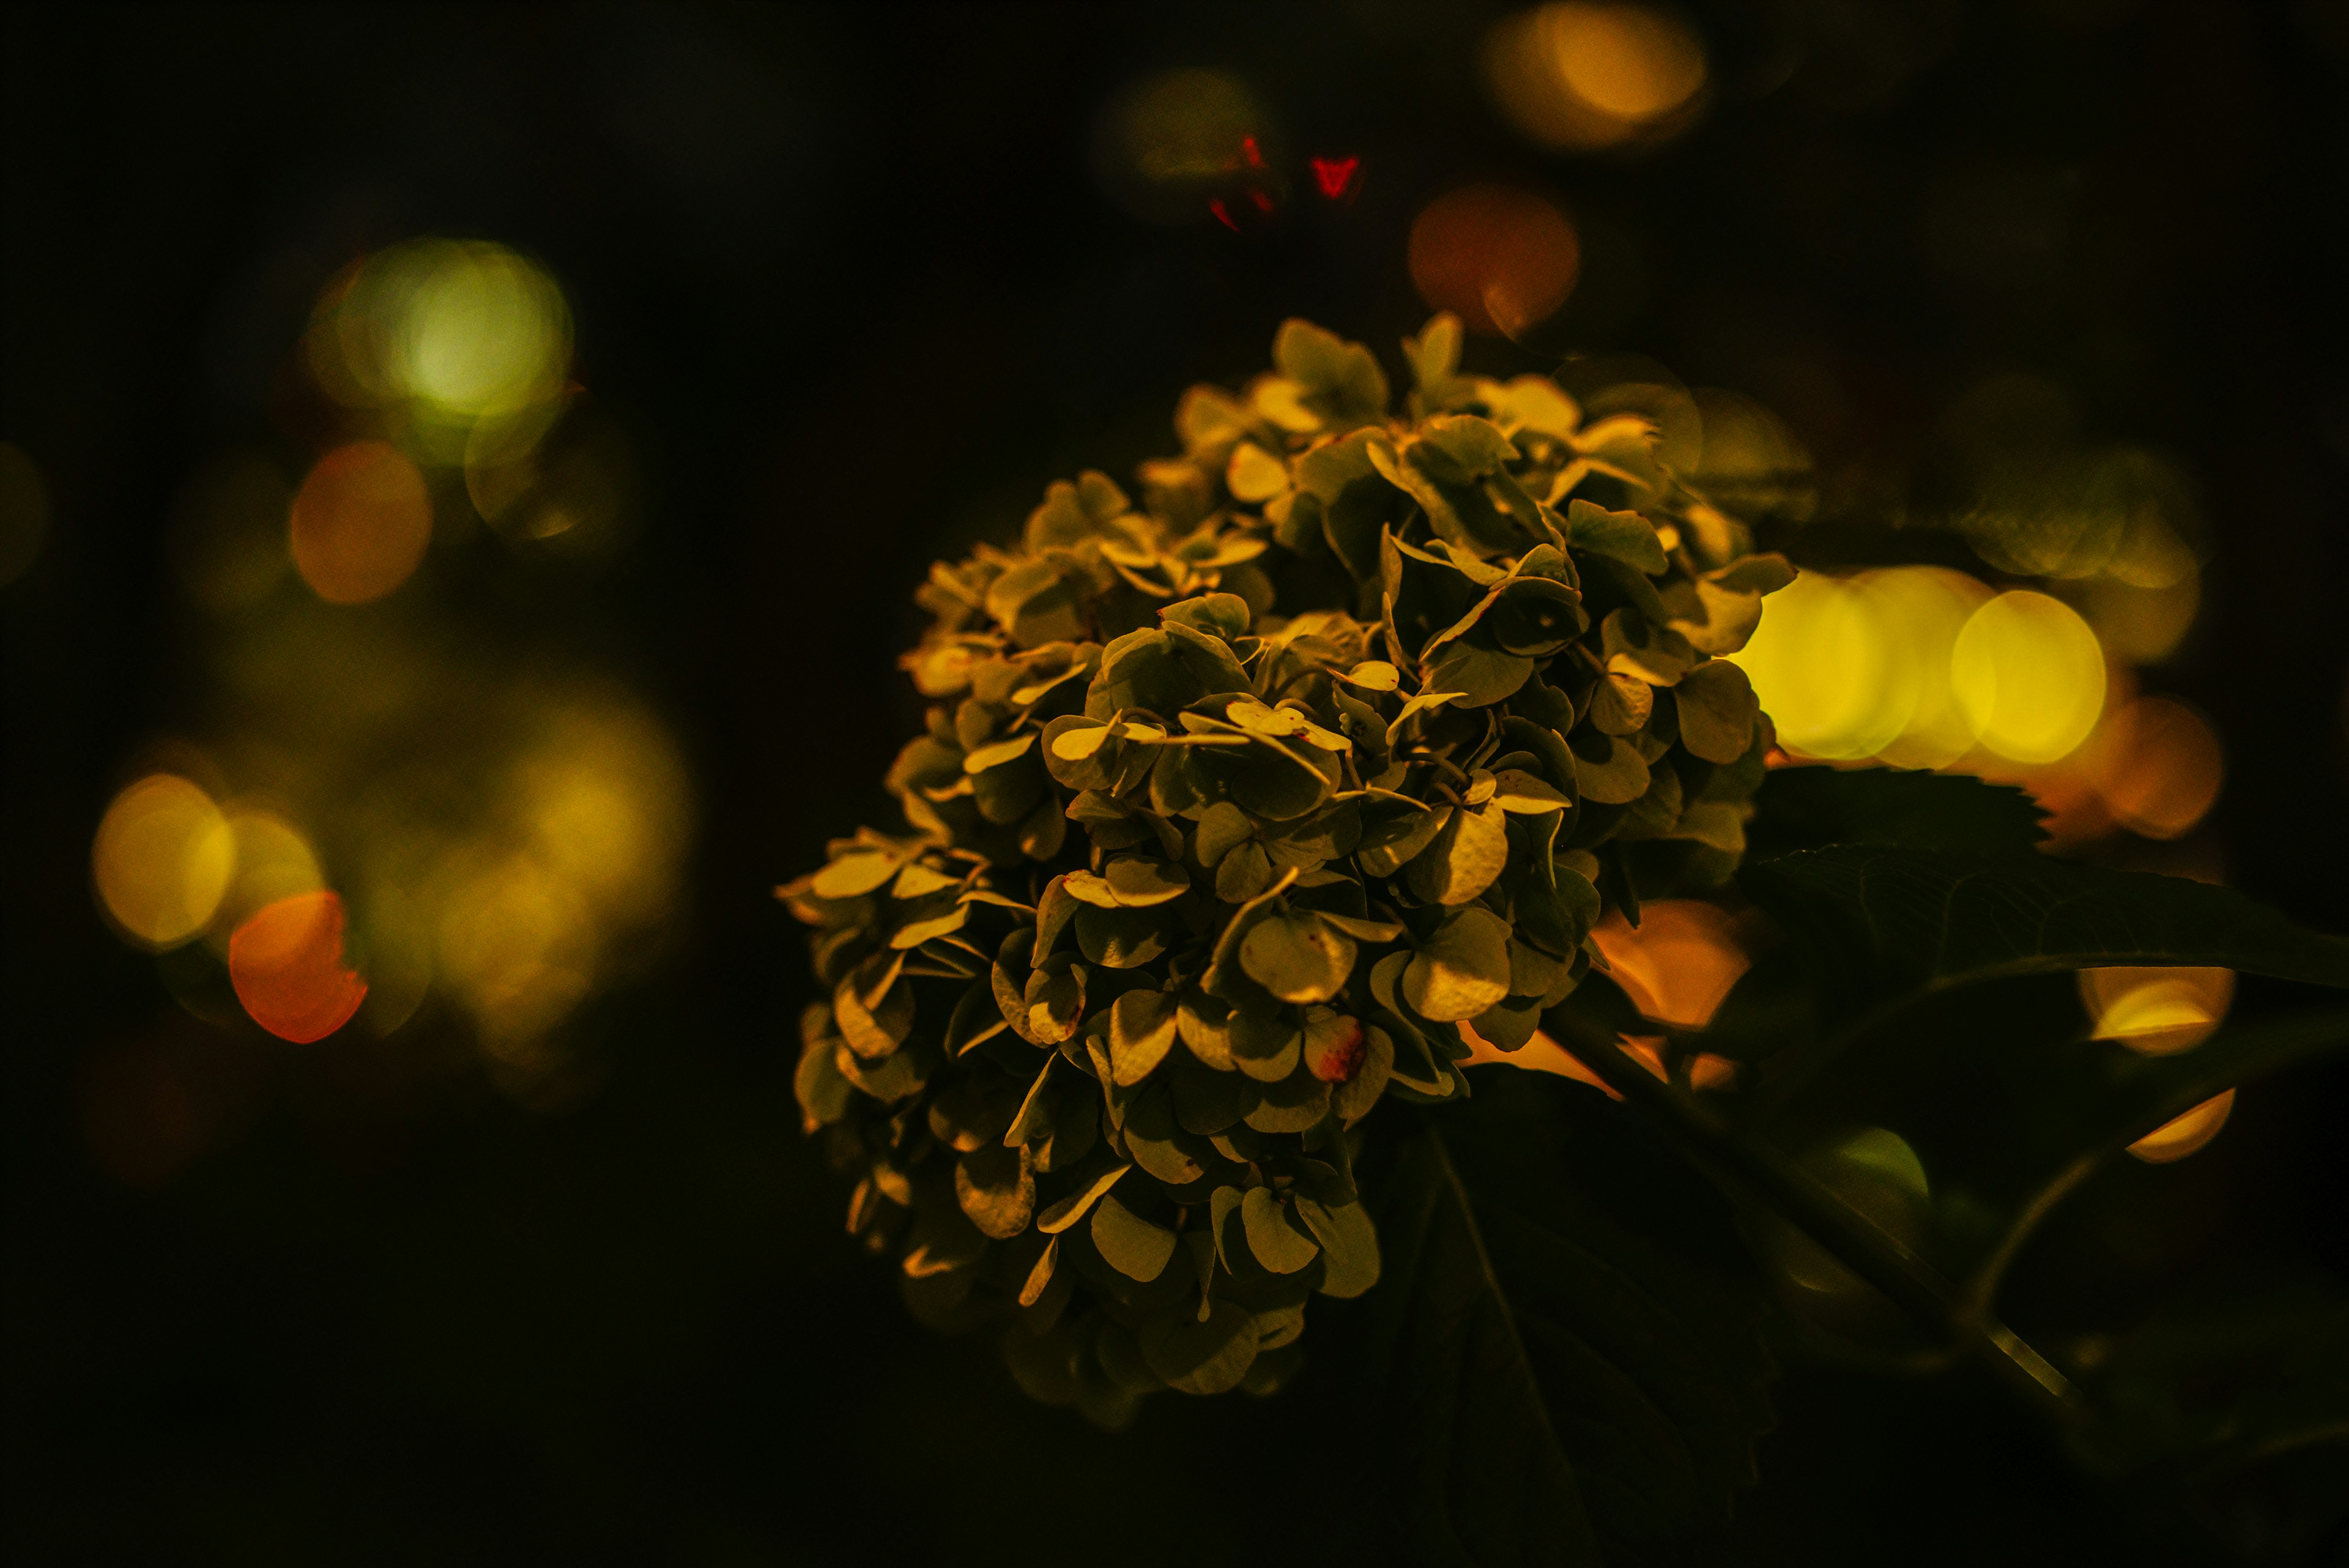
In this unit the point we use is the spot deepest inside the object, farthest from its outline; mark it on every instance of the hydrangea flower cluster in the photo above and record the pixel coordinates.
(1241, 809)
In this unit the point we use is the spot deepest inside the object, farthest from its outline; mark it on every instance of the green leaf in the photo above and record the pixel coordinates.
(1204, 1024)
(1884, 930)
(1805, 808)
(1568, 1345)
(1393, 840)
(1537, 617)
(1298, 956)
(1516, 790)
(1278, 1243)
(1216, 615)
(1608, 770)
(1716, 708)
(1342, 381)
(823, 1092)
(1349, 1245)
(995, 1189)
(1462, 969)
(1140, 881)
(1477, 676)
(997, 754)
(1885, 920)
(1141, 1031)
(1068, 1211)
(1209, 1357)
(1132, 1245)
(854, 875)
(1434, 359)
(1624, 537)
(1265, 1049)
(1292, 1104)
(1224, 829)
(1466, 855)
(1356, 499)
(1120, 939)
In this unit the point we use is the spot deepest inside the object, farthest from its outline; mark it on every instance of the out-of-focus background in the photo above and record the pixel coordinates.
(465, 472)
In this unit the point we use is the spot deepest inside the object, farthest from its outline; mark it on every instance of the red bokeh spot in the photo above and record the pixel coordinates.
(286, 964)
(1335, 176)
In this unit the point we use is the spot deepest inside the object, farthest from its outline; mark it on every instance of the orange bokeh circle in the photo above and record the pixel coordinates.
(361, 523)
(286, 964)
(1502, 260)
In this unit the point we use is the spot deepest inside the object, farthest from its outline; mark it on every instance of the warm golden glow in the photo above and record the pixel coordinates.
(163, 860)
(2030, 676)
(1581, 75)
(274, 861)
(1829, 669)
(528, 918)
(1679, 962)
(447, 333)
(1919, 611)
(361, 523)
(2156, 1011)
(2161, 767)
(1502, 260)
(286, 964)
(2188, 1135)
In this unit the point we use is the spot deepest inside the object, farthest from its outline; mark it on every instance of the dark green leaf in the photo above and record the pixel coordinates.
(1462, 969)
(995, 1189)
(1202, 1357)
(1129, 1243)
(1573, 1368)
(1808, 808)
(1885, 922)
(1716, 708)
(1624, 537)
(1280, 1242)
(1465, 856)
(1298, 956)
(1141, 1033)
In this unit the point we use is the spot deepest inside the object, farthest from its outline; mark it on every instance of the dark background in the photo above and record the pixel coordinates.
(848, 280)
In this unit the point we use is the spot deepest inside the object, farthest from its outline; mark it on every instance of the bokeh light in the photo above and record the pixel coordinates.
(24, 512)
(162, 859)
(446, 335)
(2161, 767)
(1679, 962)
(2187, 1134)
(527, 916)
(2030, 675)
(272, 861)
(1179, 142)
(1581, 75)
(2156, 1011)
(1832, 668)
(1500, 259)
(360, 523)
(285, 960)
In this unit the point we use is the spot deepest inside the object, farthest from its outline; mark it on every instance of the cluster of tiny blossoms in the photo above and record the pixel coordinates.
(1235, 807)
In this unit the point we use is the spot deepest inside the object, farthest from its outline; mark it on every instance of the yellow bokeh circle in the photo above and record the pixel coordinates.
(2030, 675)
(162, 859)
